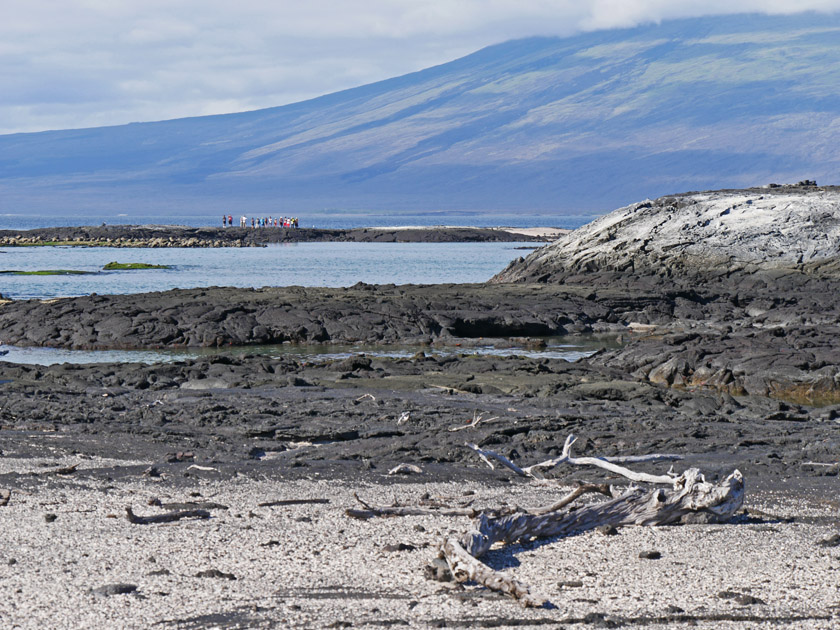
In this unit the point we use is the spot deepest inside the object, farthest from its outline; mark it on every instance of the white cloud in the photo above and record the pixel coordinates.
(94, 62)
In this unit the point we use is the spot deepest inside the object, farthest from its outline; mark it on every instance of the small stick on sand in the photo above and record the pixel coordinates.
(280, 502)
(169, 517)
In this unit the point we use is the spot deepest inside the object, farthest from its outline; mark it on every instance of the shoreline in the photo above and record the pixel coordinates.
(153, 236)
(718, 371)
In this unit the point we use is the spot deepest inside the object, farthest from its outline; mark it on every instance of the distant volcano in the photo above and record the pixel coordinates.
(572, 125)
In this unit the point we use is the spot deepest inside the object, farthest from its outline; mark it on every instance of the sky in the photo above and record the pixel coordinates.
(88, 63)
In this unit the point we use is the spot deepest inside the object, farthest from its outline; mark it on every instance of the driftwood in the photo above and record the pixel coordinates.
(609, 463)
(281, 502)
(66, 470)
(687, 497)
(168, 517)
(477, 418)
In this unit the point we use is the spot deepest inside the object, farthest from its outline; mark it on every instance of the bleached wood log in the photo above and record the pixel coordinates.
(689, 495)
(487, 455)
(689, 498)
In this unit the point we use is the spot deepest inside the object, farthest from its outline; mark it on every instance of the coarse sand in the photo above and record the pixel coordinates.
(69, 558)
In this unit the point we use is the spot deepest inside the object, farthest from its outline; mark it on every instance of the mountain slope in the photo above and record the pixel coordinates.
(577, 125)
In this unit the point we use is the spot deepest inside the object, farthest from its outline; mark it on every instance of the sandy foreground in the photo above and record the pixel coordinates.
(66, 542)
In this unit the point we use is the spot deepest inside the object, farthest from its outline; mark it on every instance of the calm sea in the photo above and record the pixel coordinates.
(340, 220)
(304, 264)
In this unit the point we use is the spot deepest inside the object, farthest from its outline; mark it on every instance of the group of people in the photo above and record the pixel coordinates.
(261, 222)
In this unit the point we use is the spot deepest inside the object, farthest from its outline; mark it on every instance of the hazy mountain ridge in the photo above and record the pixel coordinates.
(580, 124)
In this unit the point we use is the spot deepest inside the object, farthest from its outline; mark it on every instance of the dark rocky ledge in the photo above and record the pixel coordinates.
(253, 413)
(771, 334)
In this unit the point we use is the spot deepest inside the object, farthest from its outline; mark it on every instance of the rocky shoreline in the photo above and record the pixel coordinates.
(727, 366)
(181, 236)
(775, 336)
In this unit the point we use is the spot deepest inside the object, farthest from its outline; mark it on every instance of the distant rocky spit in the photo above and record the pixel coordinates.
(156, 236)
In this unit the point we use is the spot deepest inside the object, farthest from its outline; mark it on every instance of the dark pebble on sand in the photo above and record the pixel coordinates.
(650, 555)
(831, 541)
(215, 573)
(399, 547)
(742, 599)
(115, 589)
(49, 518)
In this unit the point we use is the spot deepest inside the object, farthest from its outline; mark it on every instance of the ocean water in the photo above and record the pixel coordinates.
(304, 264)
(335, 220)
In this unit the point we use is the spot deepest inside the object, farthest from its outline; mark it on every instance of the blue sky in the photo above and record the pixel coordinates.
(86, 63)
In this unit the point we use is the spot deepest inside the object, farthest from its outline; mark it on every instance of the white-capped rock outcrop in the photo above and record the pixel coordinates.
(717, 233)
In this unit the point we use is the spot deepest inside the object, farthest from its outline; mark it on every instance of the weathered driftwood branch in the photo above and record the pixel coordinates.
(688, 498)
(409, 510)
(477, 418)
(168, 517)
(372, 511)
(607, 463)
(282, 502)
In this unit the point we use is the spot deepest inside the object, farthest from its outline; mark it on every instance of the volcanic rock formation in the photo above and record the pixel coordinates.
(710, 234)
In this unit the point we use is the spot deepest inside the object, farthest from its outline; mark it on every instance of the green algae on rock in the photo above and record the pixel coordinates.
(117, 266)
